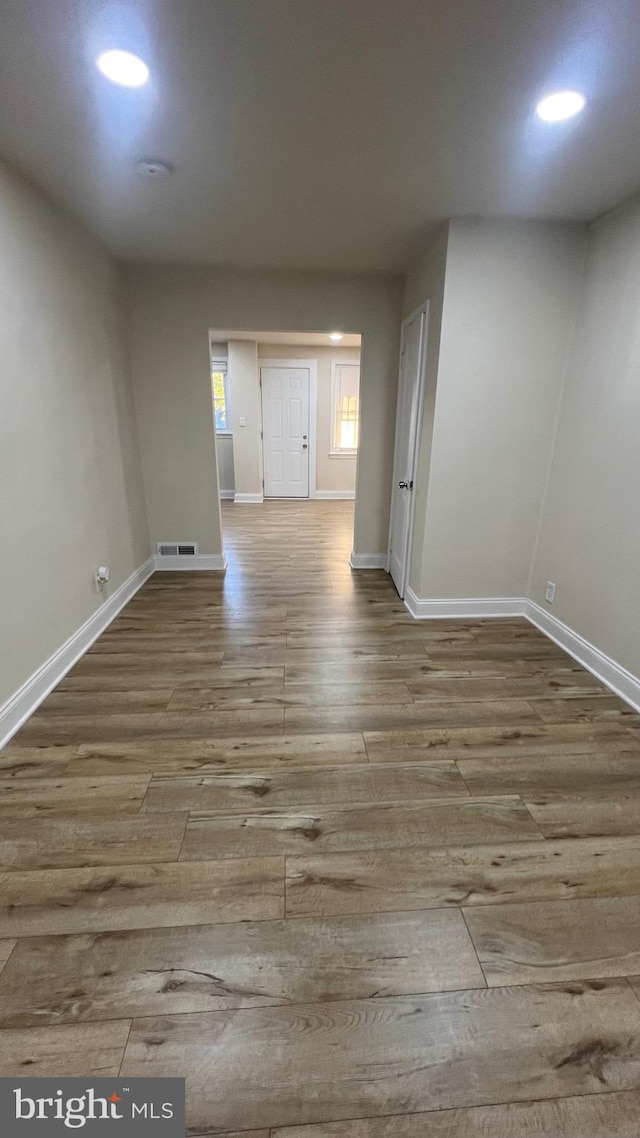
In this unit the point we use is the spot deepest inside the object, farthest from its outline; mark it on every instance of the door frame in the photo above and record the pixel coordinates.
(415, 428)
(312, 365)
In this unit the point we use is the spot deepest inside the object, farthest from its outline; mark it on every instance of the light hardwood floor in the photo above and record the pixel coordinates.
(353, 875)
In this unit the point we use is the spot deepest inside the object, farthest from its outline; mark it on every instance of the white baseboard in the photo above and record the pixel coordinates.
(471, 608)
(613, 675)
(618, 679)
(335, 495)
(197, 563)
(24, 702)
(322, 495)
(248, 499)
(227, 495)
(368, 560)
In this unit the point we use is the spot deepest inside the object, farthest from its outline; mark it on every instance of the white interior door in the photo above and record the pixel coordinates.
(406, 451)
(285, 431)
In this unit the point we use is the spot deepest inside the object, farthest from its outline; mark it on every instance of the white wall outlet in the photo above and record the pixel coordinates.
(550, 592)
(242, 421)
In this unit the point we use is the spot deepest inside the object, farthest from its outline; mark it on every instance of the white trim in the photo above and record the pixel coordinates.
(448, 608)
(312, 366)
(337, 495)
(367, 560)
(227, 495)
(617, 678)
(613, 675)
(247, 499)
(334, 451)
(415, 433)
(30, 695)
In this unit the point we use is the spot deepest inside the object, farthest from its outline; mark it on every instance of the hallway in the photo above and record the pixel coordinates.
(328, 862)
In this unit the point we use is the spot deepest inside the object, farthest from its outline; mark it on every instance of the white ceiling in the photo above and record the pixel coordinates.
(319, 134)
(295, 339)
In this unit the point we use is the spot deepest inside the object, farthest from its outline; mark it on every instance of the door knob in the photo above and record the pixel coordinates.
(304, 446)
(403, 485)
(304, 436)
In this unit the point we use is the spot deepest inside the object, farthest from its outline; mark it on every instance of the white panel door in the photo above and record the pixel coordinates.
(285, 431)
(405, 459)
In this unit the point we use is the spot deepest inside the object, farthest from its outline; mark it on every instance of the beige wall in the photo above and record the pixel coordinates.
(589, 542)
(70, 484)
(510, 300)
(226, 472)
(337, 474)
(171, 311)
(244, 385)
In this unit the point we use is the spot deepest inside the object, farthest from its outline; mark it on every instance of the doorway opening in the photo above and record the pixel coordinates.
(286, 413)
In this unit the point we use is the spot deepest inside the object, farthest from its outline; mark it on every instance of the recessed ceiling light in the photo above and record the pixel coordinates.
(336, 336)
(561, 105)
(123, 68)
(155, 168)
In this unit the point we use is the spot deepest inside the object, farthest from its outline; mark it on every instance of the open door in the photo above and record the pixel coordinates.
(408, 415)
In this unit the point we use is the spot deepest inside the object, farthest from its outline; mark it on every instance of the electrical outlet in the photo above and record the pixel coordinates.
(550, 592)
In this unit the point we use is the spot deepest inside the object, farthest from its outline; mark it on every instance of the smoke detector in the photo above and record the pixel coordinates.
(155, 168)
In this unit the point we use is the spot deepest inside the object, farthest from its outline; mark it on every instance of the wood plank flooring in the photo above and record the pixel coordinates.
(352, 875)
(607, 1116)
(348, 1059)
(167, 971)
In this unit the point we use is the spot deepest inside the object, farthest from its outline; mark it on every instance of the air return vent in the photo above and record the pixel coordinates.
(177, 549)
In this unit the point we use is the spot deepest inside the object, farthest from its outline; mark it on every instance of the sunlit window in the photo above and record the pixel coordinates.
(345, 401)
(220, 393)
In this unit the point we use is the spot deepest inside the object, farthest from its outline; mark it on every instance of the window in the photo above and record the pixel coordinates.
(345, 403)
(220, 393)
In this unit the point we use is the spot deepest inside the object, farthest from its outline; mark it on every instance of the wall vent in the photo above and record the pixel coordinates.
(177, 549)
